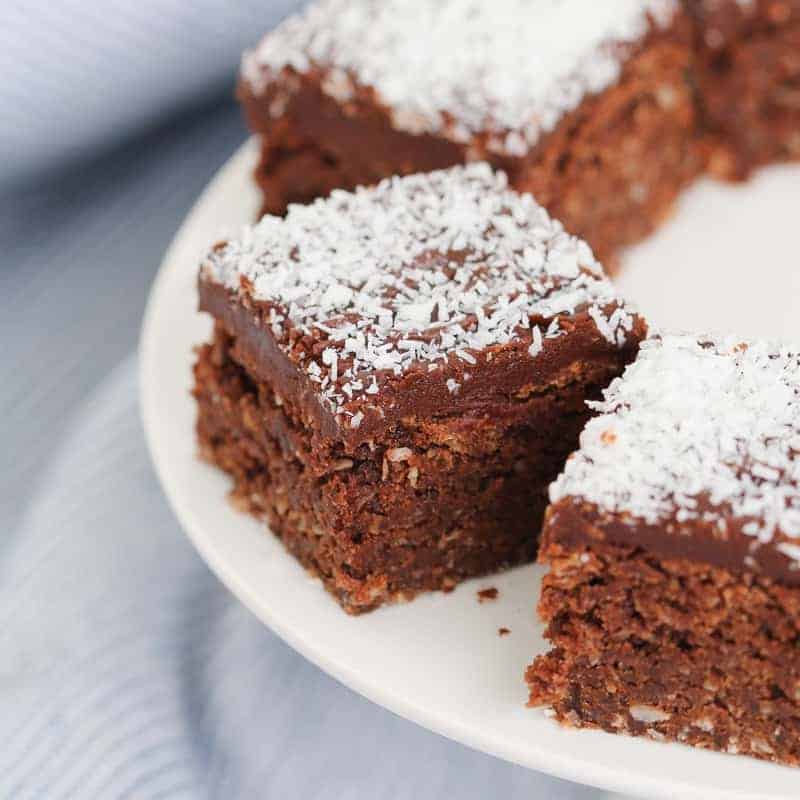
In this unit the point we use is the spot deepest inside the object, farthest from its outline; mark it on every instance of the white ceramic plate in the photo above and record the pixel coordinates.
(728, 259)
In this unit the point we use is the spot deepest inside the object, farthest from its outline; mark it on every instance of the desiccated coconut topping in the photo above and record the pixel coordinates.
(420, 272)
(698, 428)
(460, 67)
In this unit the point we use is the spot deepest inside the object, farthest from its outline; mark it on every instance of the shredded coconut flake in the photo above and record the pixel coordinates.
(698, 428)
(513, 68)
(355, 420)
(536, 342)
(426, 270)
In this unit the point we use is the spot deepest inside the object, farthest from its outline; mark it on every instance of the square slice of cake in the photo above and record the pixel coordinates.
(398, 373)
(588, 105)
(673, 541)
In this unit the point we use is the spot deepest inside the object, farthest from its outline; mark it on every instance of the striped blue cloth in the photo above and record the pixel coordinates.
(127, 670)
(78, 74)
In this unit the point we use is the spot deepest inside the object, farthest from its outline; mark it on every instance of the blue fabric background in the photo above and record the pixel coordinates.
(126, 669)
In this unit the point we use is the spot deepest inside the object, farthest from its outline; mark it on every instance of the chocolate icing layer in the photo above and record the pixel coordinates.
(340, 146)
(491, 391)
(575, 524)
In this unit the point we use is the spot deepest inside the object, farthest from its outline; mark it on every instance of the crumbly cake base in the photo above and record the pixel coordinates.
(612, 169)
(609, 171)
(433, 504)
(748, 76)
(670, 649)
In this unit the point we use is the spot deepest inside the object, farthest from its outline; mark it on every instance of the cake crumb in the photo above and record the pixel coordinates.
(503, 631)
(487, 594)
